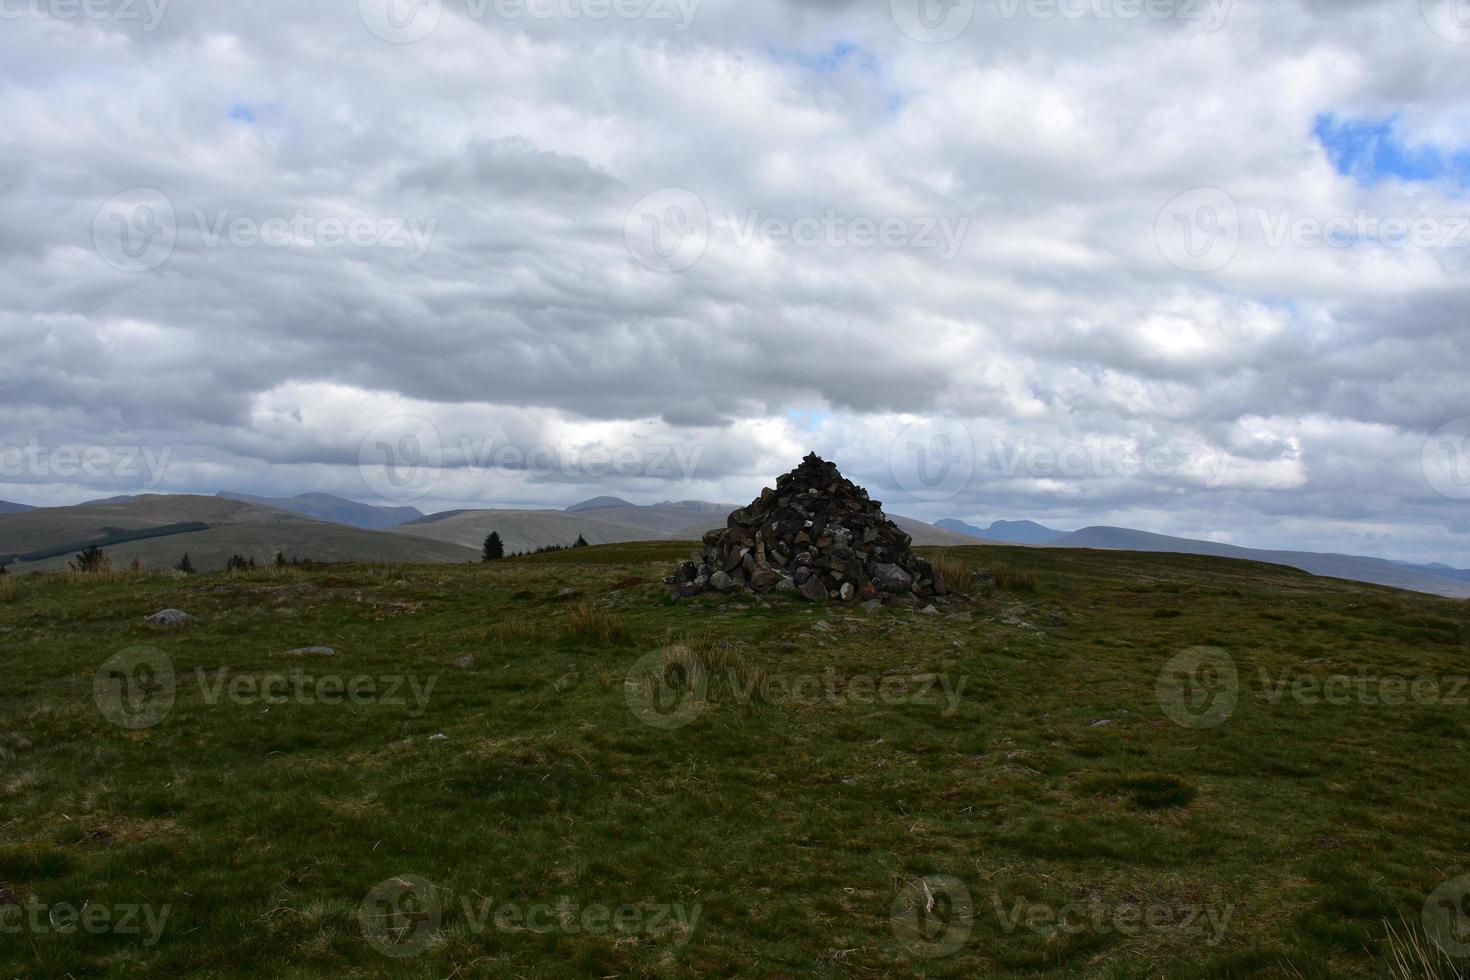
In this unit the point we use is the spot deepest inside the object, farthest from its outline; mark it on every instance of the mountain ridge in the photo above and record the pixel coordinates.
(210, 528)
(337, 510)
(310, 529)
(1008, 532)
(1376, 571)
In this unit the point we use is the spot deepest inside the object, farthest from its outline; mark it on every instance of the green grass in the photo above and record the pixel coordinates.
(839, 764)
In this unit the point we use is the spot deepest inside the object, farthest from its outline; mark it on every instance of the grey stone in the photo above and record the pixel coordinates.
(169, 618)
(891, 578)
(763, 576)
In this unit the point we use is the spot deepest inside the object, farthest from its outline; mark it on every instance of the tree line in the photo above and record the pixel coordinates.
(494, 548)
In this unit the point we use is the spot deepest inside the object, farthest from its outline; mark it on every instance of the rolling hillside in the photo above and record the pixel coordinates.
(212, 529)
(521, 530)
(317, 541)
(668, 518)
(1377, 571)
(338, 510)
(1005, 532)
(54, 527)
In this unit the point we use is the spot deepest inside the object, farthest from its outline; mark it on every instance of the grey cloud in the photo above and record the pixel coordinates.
(526, 143)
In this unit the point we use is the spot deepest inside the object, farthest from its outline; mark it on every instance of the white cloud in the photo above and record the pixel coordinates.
(1316, 372)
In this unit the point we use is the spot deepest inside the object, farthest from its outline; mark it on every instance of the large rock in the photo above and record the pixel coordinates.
(891, 578)
(814, 589)
(816, 532)
(764, 577)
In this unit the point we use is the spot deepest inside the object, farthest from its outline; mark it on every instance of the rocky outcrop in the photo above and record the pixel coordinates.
(817, 534)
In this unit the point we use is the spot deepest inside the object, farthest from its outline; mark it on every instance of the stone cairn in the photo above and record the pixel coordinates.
(818, 534)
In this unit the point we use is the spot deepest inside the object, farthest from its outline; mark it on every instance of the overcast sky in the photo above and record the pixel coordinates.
(1193, 266)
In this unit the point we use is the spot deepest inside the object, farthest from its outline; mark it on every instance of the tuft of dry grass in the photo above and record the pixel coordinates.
(7, 588)
(273, 573)
(1015, 579)
(1413, 955)
(591, 623)
(717, 660)
(106, 573)
(956, 572)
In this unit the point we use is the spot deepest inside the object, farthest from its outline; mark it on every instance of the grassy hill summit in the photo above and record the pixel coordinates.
(1089, 763)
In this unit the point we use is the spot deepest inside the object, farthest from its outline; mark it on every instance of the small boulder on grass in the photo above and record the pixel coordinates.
(168, 619)
(310, 652)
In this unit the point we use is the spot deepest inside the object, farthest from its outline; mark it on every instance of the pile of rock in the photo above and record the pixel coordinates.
(818, 534)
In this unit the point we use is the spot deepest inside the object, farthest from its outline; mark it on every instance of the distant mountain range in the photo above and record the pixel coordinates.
(160, 528)
(606, 520)
(338, 510)
(1007, 532)
(666, 517)
(523, 530)
(1379, 571)
(597, 503)
(1436, 568)
(1436, 579)
(695, 517)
